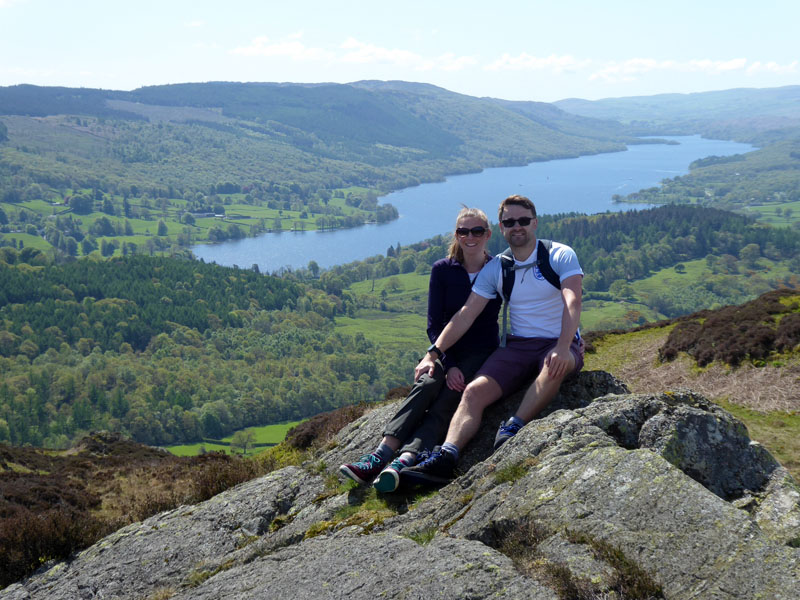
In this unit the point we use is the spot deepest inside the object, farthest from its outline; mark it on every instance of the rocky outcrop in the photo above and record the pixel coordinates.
(607, 495)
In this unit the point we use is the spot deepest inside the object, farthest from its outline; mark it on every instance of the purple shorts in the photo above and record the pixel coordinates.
(521, 359)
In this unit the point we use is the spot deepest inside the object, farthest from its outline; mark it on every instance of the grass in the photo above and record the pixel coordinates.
(599, 315)
(267, 434)
(778, 431)
(389, 329)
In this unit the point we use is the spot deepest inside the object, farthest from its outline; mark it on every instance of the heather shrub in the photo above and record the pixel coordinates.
(734, 334)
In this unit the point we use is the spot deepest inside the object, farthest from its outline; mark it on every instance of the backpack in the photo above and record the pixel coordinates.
(545, 268)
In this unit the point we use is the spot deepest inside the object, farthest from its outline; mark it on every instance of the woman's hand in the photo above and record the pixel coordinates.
(455, 379)
(426, 365)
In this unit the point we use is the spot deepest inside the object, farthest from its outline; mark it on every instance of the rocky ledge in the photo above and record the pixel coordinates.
(607, 495)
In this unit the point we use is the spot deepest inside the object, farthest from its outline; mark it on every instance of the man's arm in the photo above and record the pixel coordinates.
(558, 361)
(453, 331)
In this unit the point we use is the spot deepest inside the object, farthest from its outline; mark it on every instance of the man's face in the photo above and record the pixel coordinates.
(518, 235)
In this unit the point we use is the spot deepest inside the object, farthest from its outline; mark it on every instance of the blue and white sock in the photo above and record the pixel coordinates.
(451, 448)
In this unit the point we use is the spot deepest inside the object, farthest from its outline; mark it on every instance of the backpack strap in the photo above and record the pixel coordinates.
(509, 267)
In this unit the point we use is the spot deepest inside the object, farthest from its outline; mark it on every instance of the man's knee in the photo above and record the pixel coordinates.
(480, 393)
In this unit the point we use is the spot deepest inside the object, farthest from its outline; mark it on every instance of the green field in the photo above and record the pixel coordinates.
(267, 434)
(387, 329)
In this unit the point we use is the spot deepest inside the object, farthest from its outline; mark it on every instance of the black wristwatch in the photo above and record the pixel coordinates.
(433, 348)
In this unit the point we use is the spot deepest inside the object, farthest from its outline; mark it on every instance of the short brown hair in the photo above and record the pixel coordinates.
(517, 200)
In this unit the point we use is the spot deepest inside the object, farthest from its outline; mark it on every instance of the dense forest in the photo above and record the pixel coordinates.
(169, 350)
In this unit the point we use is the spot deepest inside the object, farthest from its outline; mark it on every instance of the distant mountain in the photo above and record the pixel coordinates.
(777, 107)
(382, 135)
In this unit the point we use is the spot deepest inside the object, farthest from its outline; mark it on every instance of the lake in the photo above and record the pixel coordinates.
(585, 184)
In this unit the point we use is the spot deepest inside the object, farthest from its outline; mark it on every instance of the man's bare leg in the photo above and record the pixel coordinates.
(540, 393)
(479, 394)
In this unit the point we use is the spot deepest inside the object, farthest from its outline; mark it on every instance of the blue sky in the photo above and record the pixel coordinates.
(510, 49)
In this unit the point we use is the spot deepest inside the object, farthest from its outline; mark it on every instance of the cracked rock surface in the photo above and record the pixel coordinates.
(669, 482)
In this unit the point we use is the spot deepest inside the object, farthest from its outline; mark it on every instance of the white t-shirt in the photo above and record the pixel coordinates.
(535, 308)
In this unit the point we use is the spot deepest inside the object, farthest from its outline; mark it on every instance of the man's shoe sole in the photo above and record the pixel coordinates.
(416, 477)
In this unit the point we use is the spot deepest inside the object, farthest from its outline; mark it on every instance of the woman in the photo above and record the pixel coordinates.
(424, 416)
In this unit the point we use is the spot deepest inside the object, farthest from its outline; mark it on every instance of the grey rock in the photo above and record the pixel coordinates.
(348, 565)
(668, 484)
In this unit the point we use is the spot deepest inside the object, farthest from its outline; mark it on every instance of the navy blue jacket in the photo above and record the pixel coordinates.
(448, 290)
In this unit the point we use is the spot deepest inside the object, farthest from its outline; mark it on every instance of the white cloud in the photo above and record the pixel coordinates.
(291, 47)
(630, 69)
(714, 67)
(363, 53)
(772, 67)
(527, 62)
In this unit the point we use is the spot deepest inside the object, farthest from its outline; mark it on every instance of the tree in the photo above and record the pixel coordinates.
(81, 204)
(314, 268)
(163, 230)
(750, 254)
(243, 439)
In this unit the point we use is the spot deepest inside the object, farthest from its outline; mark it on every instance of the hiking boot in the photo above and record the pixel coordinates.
(507, 430)
(439, 467)
(365, 470)
(389, 478)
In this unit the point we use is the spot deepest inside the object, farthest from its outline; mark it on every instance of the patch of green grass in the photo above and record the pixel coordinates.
(773, 213)
(269, 434)
(515, 471)
(598, 315)
(196, 449)
(389, 329)
(614, 352)
(423, 536)
(779, 432)
(30, 241)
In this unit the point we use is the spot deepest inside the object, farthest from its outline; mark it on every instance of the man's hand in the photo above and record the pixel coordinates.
(455, 379)
(426, 365)
(559, 362)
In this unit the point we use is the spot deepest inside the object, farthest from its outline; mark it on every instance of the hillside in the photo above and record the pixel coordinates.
(745, 357)
(676, 111)
(326, 136)
(646, 496)
(85, 502)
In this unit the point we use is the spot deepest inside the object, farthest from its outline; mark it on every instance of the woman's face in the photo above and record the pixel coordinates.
(472, 243)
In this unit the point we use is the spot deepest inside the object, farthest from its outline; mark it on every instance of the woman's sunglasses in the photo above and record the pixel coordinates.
(523, 222)
(475, 231)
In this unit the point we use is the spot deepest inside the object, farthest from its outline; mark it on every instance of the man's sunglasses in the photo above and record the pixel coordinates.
(523, 222)
(475, 231)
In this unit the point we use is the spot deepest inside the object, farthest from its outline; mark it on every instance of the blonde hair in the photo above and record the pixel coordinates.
(465, 213)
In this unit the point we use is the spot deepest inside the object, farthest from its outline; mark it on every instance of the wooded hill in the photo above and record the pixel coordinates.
(189, 137)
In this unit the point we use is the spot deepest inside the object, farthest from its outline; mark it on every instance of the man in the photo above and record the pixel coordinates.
(544, 323)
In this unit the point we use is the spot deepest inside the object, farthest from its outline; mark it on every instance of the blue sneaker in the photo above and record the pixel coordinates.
(389, 478)
(507, 430)
(365, 470)
(439, 467)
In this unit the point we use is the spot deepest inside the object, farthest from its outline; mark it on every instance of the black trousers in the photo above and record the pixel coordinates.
(422, 420)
